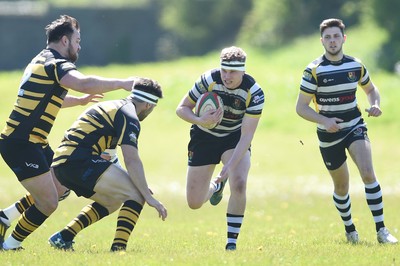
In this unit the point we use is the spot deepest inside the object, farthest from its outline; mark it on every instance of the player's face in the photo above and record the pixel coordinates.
(332, 39)
(74, 46)
(143, 114)
(231, 78)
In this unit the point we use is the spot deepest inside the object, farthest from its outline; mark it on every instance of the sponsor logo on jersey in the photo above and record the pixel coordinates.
(358, 132)
(133, 137)
(257, 99)
(63, 94)
(190, 155)
(340, 99)
(307, 75)
(329, 100)
(327, 80)
(351, 76)
(200, 85)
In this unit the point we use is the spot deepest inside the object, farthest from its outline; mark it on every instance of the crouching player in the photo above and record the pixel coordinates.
(80, 166)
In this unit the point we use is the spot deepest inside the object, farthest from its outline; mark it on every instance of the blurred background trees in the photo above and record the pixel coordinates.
(386, 15)
(195, 27)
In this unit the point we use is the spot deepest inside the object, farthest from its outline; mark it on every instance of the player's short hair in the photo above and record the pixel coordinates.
(331, 22)
(146, 90)
(63, 26)
(233, 58)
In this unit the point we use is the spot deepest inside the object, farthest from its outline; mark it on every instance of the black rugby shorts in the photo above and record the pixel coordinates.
(334, 156)
(26, 159)
(81, 175)
(205, 149)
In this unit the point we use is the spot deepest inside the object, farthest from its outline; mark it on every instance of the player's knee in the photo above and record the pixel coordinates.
(111, 205)
(194, 204)
(238, 186)
(368, 175)
(341, 189)
(47, 206)
(53, 206)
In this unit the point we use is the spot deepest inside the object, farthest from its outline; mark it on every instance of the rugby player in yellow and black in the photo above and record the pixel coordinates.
(228, 142)
(331, 82)
(78, 164)
(23, 142)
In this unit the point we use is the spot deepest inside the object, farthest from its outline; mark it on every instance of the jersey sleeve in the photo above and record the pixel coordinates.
(202, 85)
(256, 101)
(127, 127)
(365, 79)
(62, 68)
(308, 83)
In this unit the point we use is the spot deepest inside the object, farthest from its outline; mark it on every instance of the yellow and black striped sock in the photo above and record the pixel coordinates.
(30, 220)
(89, 215)
(127, 218)
(24, 203)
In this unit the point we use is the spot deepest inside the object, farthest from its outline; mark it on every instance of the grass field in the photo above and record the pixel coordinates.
(290, 217)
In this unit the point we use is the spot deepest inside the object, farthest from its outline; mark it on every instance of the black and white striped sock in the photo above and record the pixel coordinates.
(373, 194)
(343, 205)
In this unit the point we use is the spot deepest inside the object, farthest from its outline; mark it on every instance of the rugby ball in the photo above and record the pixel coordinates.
(206, 102)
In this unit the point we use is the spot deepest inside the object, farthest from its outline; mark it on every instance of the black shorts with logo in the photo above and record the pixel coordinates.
(334, 156)
(205, 149)
(26, 159)
(81, 175)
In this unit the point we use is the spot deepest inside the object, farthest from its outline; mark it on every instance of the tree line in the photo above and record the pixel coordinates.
(194, 27)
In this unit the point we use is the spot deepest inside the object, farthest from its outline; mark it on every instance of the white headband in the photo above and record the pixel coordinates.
(144, 96)
(233, 65)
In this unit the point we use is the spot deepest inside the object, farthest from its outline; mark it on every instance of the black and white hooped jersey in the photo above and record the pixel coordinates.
(40, 97)
(246, 100)
(102, 126)
(333, 86)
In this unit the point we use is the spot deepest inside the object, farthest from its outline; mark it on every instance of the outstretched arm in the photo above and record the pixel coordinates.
(71, 100)
(77, 81)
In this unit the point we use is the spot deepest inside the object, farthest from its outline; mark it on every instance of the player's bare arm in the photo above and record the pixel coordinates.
(77, 81)
(185, 112)
(71, 100)
(135, 169)
(304, 110)
(374, 100)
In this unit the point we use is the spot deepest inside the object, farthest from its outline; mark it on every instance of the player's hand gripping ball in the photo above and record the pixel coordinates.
(206, 102)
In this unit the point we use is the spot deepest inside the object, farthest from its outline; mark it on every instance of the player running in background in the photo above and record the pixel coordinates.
(331, 82)
(79, 165)
(229, 142)
(23, 141)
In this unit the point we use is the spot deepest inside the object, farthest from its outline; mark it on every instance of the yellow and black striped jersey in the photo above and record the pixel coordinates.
(247, 99)
(333, 86)
(40, 97)
(102, 126)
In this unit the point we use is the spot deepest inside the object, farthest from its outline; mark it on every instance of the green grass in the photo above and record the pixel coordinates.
(290, 217)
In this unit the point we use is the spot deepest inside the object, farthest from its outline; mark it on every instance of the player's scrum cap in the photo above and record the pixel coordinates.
(233, 65)
(145, 96)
